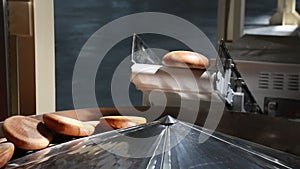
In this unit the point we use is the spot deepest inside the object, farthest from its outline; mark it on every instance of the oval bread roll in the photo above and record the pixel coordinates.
(119, 122)
(185, 59)
(27, 133)
(67, 126)
(6, 152)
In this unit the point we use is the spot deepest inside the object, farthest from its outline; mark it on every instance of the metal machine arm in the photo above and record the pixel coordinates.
(231, 86)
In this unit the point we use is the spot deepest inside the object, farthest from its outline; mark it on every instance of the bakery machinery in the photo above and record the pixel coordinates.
(170, 143)
(270, 66)
(261, 84)
(166, 143)
(245, 137)
(221, 81)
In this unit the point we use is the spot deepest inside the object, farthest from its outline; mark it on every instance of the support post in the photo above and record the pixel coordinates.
(230, 19)
(286, 13)
(32, 56)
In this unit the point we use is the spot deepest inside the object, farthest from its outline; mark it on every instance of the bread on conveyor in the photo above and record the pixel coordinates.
(67, 126)
(6, 152)
(27, 133)
(118, 122)
(185, 59)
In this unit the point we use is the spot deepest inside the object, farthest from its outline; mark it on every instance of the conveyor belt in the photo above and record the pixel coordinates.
(167, 143)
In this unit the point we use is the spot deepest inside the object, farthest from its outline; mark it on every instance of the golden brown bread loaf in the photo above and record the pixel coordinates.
(6, 152)
(119, 122)
(67, 126)
(185, 59)
(27, 133)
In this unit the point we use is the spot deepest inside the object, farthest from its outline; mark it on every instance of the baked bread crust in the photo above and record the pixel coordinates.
(27, 133)
(185, 59)
(6, 152)
(119, 122)
(67, 126)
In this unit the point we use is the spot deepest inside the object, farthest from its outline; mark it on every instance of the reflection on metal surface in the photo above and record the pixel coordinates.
(158, 144)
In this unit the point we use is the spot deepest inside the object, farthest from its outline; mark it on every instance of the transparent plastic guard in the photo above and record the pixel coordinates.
(142, 54)
(143, 58)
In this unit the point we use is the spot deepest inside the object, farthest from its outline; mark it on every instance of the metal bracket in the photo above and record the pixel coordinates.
(231, 86)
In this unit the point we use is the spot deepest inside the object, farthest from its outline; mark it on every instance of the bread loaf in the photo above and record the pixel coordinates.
(67, 126)
(119, 122)
(27, 133)
(6, 152)
(185, 59)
